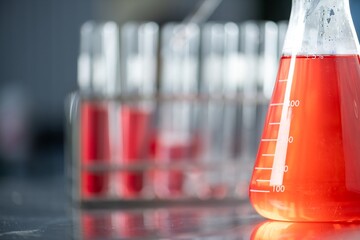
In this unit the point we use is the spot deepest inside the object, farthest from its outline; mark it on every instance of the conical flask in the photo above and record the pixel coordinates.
(308, 162)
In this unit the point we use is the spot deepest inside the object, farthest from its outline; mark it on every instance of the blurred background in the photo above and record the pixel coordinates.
(39, 47)
(39, 50)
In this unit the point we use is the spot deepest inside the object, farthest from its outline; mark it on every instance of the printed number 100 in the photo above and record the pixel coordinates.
(278, 188)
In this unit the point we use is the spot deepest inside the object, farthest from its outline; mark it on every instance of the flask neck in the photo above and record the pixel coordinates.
(320, 27)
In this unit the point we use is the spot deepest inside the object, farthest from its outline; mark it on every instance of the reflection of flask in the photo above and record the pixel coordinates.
(286, 230)
(308, 165)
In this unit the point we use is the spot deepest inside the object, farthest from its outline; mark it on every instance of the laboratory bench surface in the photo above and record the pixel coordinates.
(41, 209)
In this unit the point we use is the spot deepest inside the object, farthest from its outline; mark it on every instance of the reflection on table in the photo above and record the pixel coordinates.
(166, 223)
(292, 230)
(225, 223)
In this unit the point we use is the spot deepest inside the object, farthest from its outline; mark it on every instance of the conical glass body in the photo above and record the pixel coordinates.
(308, 163)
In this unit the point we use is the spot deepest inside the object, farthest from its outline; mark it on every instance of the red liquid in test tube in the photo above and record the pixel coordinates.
(94, 147)
(135, 127)
(171, 154)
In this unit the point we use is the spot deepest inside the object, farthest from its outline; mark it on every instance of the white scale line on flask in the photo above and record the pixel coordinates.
(268, 155)
(262, 180)
(263, 168)
(259, 191)
(269, 139)
(274, 123)
(276, 104)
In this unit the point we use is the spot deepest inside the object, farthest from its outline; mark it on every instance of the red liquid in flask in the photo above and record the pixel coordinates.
(94, 147)
(318, 158)
(135, 124)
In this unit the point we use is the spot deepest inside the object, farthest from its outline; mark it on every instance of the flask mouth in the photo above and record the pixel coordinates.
(322, 27)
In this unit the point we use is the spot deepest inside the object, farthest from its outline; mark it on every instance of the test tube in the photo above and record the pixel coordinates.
(268, 57)
(249, 39)
(267, 70)
(235, 74)
(177, 142)
(219, 77)
(258, 44)
(97, 77)
(139, 48)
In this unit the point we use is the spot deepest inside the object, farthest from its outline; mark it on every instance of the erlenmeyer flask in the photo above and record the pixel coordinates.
(308, 163)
